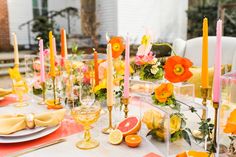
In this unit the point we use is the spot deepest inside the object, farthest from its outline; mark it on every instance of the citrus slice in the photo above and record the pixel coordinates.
(50, 104)
(193, 153)
(115, 137)
(129, 126)
(133, 140)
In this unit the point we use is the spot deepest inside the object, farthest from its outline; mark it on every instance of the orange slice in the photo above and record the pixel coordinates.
(51, 105)
(115, 137)
(133, 140)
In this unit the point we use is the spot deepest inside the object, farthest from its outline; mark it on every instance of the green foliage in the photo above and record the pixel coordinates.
(209, 9)
(146, 74)
(101, 94)
(37, 91)
(41, 28)
(171, 102)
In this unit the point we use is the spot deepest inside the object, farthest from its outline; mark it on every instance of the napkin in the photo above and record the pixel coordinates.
(13, 123)
(5, 92)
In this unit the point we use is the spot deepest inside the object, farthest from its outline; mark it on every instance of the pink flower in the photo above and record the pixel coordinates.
(102, 68)
(145, 59)
(46, 52)
(36, 65)
(37, 84)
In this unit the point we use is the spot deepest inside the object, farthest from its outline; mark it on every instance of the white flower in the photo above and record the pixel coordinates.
(154, 69)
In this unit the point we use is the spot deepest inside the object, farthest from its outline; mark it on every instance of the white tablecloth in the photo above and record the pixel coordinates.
(68, 148)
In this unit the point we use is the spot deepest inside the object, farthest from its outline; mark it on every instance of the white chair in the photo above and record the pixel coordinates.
(192, 49)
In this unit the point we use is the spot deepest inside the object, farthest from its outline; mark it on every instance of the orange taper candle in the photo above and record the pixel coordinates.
(52, 55)
(62, 43)
(205, 53)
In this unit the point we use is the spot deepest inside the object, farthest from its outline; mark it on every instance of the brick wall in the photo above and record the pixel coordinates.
(4, 27)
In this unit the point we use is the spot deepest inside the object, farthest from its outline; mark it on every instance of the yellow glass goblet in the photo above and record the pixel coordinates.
(20, 89)
(86, 115)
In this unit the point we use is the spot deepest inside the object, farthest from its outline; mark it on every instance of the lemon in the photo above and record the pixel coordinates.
(115, 137)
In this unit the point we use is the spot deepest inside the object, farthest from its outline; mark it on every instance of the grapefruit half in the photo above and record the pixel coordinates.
(129, 126)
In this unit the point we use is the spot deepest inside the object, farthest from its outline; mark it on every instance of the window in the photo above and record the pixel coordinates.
(40, 8)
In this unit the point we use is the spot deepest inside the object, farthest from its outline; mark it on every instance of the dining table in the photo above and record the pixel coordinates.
(67, 148)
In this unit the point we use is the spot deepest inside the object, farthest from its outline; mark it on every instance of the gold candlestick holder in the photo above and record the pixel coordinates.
(54, 103)
(204, 94)
(110, 128)
(54, 89)
(216, 107)
(125, 102)
(43, 93)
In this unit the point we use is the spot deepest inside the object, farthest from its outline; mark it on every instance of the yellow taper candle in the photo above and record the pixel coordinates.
(16, 52)
(205, 54)
(52, 55)
(109, 76)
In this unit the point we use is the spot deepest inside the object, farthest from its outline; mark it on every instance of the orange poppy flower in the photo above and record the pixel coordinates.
(177, 69)
(230, 126)
(117, 46)
(164, 91)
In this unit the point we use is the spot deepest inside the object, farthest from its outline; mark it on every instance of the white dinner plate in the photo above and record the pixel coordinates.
(29, 137)
(25, 132)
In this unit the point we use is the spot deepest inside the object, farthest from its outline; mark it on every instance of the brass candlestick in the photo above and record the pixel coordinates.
(54, 89)
(204, 94)
(216, 107)
(125, 102)
(110, 128)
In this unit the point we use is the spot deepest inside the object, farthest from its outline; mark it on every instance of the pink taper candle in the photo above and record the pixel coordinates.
(127, 68)
(42, 69)
(217, 67)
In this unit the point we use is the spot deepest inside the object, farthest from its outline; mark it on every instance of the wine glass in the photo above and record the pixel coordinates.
(87, 96)
(20, 88)
(86, 115)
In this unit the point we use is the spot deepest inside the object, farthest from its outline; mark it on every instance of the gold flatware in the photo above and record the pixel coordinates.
(32, 149)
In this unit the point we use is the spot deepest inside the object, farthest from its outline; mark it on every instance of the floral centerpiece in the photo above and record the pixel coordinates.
(100, 90)
(146, 63)
(156, 124)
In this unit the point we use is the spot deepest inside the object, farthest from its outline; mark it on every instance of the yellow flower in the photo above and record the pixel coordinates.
(101, 85)
(146, 39)
(175, 123)
(15, 74)
(152, 119)
(119, 66)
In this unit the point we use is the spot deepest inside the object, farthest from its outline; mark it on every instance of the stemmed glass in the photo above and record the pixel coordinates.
(89, 112)
(20, 88)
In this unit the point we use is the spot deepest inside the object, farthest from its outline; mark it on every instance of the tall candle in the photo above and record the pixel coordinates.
(63, 43)
(96, 67)
(54, 46)
(42, 68)
(217, 67)
(127, 68)
(52, 55)
(16, 52)
(109, 76)
(205, 54)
